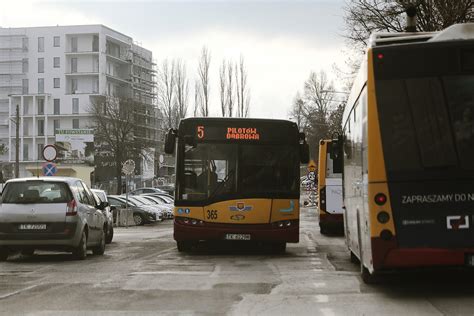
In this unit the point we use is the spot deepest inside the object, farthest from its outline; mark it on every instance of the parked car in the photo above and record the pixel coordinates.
(158, 209)
(141, 215)
(107, 211)
(168, 214)
(168, 188)
(56, 213)
(146, 190)
(164, 195)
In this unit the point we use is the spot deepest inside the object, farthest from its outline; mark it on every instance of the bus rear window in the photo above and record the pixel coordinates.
(36, 192)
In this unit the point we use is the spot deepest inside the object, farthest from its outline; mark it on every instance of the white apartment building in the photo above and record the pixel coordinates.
(54, 73)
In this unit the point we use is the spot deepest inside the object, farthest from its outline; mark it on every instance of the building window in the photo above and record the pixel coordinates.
(57, 107)
(24, 65)
(73, 44)
(56, 62)
(56, 83)
(75, 106)
(25, 152)
(24, 86)
(74, 86)
(25, 129)
(95, 43)
(40, 44)
(40, 106)
(24, 43)
(73, 65)
(40, 127)
(56, 41)
(25, 108)
(95, 86)
(40, 65)
(40, 151)
(40, 85)
(75, 123)
(56, 125)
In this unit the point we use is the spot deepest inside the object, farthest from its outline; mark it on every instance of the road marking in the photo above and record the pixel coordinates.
(322, 298)
(17, 292)
(317, 270)
(319, 284)
(327, 311)
(172, 272)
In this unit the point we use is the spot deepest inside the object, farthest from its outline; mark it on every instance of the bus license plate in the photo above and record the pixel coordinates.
(32, 226)
(237, 236)
(470, 260)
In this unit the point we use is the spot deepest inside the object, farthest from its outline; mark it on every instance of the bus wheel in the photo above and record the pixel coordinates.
(184, 246)
(323, 230)
(354, 258)
(367, 277)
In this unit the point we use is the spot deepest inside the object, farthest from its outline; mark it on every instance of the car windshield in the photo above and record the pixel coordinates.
(27, 192)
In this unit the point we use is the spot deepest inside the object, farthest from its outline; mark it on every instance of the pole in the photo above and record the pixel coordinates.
(17, 142)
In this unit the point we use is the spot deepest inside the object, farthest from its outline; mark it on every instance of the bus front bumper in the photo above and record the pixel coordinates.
(257, 232)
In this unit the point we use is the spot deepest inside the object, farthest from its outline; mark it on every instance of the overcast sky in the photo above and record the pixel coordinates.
(281, 41)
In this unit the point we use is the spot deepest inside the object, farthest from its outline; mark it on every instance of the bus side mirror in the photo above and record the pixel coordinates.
(170, 141)
(304, 153)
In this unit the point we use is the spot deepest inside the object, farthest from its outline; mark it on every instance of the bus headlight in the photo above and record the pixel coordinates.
(383, 217)
(280, 224)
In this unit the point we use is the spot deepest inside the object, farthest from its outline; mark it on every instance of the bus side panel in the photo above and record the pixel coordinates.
(322, 175)
(380, 237)
(195, 212)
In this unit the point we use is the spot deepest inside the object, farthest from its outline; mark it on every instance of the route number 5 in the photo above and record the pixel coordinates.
(200, 132)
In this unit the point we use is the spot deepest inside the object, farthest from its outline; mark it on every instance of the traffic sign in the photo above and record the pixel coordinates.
(128, 167)
(312, 166)
(50, 153)
(49, 169)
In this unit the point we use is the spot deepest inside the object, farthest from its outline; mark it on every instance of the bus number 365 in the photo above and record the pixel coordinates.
(211, 214)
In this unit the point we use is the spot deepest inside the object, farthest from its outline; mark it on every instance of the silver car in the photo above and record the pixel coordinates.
(107, 211)
(56, 213)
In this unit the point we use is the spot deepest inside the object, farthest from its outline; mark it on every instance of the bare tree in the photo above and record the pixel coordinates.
(116, 121)
(366, 16)
(222, 87)
(319, 92)
(298, 112)
(166, 91)
(242, 90)
(230, 89)
(203, 71)
(197, 98)
(182, 91)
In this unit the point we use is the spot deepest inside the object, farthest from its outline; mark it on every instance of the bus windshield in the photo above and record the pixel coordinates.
(217, 171)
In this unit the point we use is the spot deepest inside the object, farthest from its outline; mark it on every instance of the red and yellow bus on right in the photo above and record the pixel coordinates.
(408, 152)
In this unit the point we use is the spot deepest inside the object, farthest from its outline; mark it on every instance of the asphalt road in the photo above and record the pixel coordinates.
(142, 273)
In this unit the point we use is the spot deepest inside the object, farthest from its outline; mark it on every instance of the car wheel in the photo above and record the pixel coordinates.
(80, 252)
(138, 219)
(28, 252)
(110, 235)
(100, 249)
(4, 253)
(184, 246)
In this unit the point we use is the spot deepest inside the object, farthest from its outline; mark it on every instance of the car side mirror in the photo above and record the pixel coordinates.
(103, 205)
(304, 153)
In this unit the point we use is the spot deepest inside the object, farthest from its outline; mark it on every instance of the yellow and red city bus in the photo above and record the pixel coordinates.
(329, 189)
(237, 179)
(408, 153)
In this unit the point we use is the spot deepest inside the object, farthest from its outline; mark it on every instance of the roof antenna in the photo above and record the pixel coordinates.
(411, 18)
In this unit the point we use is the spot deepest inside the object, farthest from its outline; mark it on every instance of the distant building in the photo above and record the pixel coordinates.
(54, 73)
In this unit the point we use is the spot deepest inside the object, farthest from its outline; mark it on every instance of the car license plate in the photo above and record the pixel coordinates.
(237, 236)
(32, 226)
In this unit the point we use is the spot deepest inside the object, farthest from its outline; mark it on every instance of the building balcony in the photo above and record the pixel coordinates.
(120, 59)
(82, 73)
(90, 52)
(118, 79)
